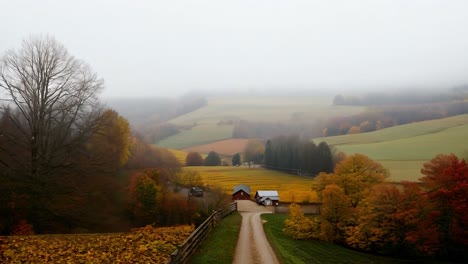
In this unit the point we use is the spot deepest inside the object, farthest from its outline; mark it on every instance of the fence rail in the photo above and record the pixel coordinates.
(185, 250)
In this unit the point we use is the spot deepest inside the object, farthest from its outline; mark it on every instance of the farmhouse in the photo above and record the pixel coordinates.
(267, 197)
(241, 192)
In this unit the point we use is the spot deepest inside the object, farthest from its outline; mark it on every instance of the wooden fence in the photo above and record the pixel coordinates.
(184, 250)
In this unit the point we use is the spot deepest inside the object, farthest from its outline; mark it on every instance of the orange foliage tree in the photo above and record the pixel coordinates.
(446, 182)
(335, 212)
(194, 159)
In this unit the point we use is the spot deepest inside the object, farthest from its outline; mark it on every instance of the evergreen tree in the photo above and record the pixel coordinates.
(236, 160)
(212, 159)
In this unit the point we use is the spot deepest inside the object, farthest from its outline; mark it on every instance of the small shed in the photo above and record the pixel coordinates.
(269, 197)
(241, 192)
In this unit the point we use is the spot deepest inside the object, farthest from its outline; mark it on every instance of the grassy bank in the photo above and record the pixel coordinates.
(291, 251)
(220, 244)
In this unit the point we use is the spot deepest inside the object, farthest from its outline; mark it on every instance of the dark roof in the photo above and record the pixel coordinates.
(242, 187)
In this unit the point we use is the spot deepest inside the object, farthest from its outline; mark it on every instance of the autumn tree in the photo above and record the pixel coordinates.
(143, 156)
(194, 159)
(298, 226)
(109, 145)
(188, 178)
(335, 212)
(446, 181)
(212, 159)
(357, 174)
(254, 151)
(377, 222)
(236, 160)
(144, 196)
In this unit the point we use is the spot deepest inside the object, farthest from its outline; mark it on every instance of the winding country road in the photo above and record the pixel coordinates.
(252, 245)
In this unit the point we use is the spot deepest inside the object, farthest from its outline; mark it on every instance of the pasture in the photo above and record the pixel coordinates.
(197, 135)
(291, 188)
(403, 149)
(206, 121)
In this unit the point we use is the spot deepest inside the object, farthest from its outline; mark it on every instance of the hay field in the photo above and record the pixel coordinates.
(403, 149)
(291, 188)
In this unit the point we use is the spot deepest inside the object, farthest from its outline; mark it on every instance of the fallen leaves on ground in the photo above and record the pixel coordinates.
(143, 245)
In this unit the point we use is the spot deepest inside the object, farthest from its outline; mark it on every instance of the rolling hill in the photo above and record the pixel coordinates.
(403, 149)
(214, 122)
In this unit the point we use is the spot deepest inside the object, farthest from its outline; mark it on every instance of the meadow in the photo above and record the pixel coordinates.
(205, 122)
(403, 149)
(291, 188)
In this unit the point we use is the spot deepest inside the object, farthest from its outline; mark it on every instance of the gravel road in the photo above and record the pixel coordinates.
(252, 245)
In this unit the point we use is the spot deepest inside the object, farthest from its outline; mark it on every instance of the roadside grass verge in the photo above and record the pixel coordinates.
(290, 251)
(291, 188)
(220, 244)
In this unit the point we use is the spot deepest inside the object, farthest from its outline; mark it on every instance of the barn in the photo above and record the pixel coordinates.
(241, 192)
(267, 197)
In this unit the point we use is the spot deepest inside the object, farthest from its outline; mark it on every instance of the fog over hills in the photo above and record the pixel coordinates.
(167, 48)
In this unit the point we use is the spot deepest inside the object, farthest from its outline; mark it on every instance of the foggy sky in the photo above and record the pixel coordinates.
(165, 48)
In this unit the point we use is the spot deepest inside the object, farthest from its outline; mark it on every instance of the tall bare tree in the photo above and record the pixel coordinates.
(49, 109)
(51, 98)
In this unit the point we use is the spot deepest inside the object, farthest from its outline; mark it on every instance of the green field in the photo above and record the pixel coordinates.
(261, 109)
(403, 149)
(291, 251)
(200, 134)
(291, 188)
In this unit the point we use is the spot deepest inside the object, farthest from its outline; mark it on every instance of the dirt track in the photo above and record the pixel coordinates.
(252, 245)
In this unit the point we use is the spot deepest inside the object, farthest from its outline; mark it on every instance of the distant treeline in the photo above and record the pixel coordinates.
(372, 99)
(387, 116)
(295, 155)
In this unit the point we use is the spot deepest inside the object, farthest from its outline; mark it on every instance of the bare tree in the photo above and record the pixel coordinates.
(51, 99)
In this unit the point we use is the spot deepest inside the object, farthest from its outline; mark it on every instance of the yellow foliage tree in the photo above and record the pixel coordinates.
(110, 145)
(376, 226)
(335, 212)
(299, 226)
(357, 174)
